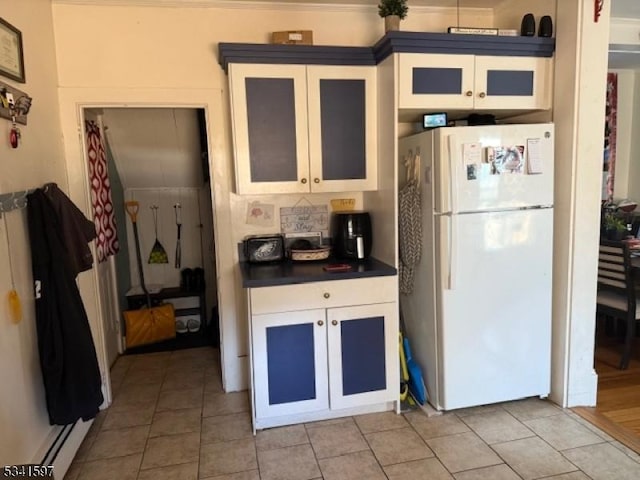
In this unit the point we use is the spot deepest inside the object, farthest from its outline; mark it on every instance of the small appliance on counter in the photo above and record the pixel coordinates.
(264, 248)
(351, 233)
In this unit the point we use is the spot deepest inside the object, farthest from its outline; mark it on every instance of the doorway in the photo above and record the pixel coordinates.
(618, 391)
(158, 157)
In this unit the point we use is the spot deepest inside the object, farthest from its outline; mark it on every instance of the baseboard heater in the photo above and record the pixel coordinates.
(61, 447)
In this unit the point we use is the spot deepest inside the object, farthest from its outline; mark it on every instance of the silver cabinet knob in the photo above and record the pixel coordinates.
(327, 295)
(334, 322)
(304, 180)
(320, 322)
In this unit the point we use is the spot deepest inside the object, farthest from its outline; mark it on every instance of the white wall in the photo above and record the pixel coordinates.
(166, 275)
(155, 147)
(579, 103)
(625, 31)
(24, 424)
(509, 14)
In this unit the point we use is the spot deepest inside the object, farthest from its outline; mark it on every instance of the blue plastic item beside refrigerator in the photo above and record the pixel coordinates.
(417, 387)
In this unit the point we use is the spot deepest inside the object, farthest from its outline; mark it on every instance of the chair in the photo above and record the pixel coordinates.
(616, 291)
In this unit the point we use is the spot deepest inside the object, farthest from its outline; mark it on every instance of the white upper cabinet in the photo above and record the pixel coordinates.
(300, 129)
(474, 82)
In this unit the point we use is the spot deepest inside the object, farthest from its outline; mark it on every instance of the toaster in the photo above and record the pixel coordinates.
(264, 248)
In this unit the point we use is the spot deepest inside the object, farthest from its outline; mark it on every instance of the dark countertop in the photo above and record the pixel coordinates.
(288, 272)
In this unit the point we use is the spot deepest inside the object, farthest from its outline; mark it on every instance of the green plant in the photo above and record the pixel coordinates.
(393, 7)
(614, 222)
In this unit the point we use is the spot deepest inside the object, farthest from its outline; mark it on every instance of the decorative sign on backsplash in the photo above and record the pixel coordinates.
(260, 214)
(305, 218)
(343, 204)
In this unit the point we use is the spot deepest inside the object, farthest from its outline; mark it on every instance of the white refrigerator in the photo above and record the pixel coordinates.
(479, 315)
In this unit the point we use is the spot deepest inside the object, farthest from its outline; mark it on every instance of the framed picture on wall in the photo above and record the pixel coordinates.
(11, 56)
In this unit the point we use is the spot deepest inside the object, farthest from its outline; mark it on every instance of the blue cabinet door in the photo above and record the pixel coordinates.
(363, 355)
(342, 128)
(513, 83)
(271, 118)
(269, 122)
(435, 81)
(289, 363)
(510, 82)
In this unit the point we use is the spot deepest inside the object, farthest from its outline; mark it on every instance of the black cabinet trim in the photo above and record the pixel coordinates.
(293, 54)
(392, 42)
(457, 44)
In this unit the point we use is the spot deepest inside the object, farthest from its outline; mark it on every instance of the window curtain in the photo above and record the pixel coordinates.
(103, 217)
(610, 127)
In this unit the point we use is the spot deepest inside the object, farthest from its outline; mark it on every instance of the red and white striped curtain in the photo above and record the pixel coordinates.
(610, 133)
(103, 217)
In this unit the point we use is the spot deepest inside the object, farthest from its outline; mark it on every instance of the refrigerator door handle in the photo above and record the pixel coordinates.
(448, 254)
(453, 249)
(453, 173)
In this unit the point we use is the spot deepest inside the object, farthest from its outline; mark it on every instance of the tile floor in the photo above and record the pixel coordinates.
(171, 420)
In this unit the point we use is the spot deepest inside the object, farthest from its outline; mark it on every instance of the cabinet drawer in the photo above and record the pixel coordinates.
(336, 293)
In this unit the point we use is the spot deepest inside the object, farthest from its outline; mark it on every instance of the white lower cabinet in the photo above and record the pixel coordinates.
(323, 362)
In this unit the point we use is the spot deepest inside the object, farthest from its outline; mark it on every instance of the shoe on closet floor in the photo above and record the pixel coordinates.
(181, 326)
(193, 325)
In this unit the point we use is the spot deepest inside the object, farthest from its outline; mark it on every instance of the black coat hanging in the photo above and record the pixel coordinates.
(70, 371)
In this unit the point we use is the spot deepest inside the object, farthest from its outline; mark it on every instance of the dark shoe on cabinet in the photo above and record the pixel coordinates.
(198, 279)
(545, 29)
(528, 28)
(186, 281)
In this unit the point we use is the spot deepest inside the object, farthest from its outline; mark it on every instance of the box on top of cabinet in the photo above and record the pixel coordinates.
(293, 37)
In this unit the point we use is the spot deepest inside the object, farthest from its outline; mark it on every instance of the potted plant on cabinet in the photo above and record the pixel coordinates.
(392, 11)
(615, 227)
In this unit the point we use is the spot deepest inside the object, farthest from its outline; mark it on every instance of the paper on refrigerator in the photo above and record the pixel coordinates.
(534, 156)
(472, 159)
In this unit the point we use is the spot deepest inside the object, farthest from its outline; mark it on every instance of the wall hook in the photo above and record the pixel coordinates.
(14, 134)
(14, 104)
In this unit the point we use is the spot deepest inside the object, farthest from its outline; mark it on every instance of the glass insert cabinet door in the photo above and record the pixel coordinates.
(269, 120)
(342, 128)
(290, 363)
(513, 82)
(363, 355)
(436, 81)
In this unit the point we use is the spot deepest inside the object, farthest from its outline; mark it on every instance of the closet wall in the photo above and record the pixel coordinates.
(158, 156)
(191, 240)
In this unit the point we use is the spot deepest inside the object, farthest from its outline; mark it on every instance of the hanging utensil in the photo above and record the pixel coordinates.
(178, 211)
(149, 324)
(15, 307)
(158, 253)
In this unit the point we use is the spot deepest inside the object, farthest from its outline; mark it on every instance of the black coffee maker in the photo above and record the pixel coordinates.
(351, 233)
